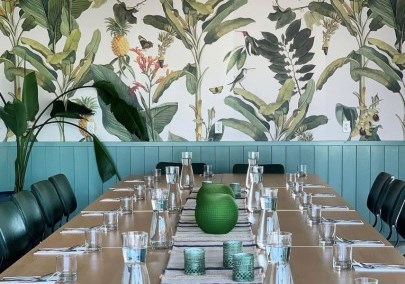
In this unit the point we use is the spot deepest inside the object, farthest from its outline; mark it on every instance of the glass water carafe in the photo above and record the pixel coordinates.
(161, 234)
(268, 221)
(253, 160)
(253, 200)
(278, 250)
(172, 180)
(136, 273)
(187, 175)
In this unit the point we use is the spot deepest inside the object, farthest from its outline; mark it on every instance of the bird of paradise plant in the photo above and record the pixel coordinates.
(200, 25)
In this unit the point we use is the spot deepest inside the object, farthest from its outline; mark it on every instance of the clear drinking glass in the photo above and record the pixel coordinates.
(253, 200)
(187, 174)
(172, 180)
(93, 239)
(365, 280)
(314, 213)
(305, 200)
(268, 220)
(236, 188)
(111, 220)
(157, 174)
(327, 231)
(290, 180)
(302, 170)
(66, 267)
(127, 205)
(342, 256)
(161, 234)
(253, 160)
(134, 246)
(139, 192)
(136, 273)
(208, 172)
(149, 182)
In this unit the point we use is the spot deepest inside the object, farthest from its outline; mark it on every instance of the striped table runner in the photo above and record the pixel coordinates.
(188, 234)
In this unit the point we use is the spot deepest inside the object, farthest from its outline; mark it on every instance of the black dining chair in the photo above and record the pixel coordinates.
(14, 237)
(49, 202)
(65, 193)
(31, 214)
(400, 224)
(377, 194)
(198, 168)
(392, 204)
(267, 168)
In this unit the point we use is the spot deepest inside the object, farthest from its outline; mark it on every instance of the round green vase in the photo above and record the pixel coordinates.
(216, 213)
(210, 188)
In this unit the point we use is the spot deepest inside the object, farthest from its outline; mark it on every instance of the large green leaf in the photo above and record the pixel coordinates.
(72, 41)
(384, 8)
(54, 13)
(175, 138)
(312, 19)
(78, 7)
(45, 83)
(37, 46)
(282, 18)
(68, 23)
(225, 27)
(340, 9)
(399, 59)
(383, 46)
(380, 77)
(35, 61)
(241, 60)
(30, 96)
(285, 93)
(248, 112)
(29, 23)
(252, 98)
(221, 13)
(245, 127)
(14, 116)
(8, 59)
(306, 97)
(292, 30)
(330, 70)
(381, 61)
(163, 115)
(105, 164)
(93, 45)
(69, 109)
(304, 48)
(294, 122)
(343, 112)
(38, 9)
(191, 78)
(234, 58)
(165, 84)
(176, 24)
(159, 22)
(313, 121)
(201, 8)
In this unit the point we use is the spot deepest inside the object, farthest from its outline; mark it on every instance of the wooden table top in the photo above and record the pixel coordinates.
(310, 263)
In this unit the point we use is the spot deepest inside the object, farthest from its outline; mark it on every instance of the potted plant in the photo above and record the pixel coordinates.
(23, 118)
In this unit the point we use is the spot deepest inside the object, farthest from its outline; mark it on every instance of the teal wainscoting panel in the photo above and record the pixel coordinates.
(322, 161)
(363, 179)
(349, 174)
(335, 166)
(349, 166)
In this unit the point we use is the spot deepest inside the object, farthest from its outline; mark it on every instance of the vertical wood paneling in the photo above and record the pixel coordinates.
(265, 154)
(123, 161)
(39, 171)
(222, 164)
(401, 159)
(292, 158)
(363, 179)
(197, 155)
(236, 156)
(137, 160)
(151, 159)
(246, 149)
(391, 160)
(177, 153)
(53, 160)
(335, 167)
(207, 156)
(96, 187)
(5, 183)
(278, 155)
(165, 154)
(349, 172)
(307, 157)
(11, 155)
(81, 162)
(322, 162)
(377, 160)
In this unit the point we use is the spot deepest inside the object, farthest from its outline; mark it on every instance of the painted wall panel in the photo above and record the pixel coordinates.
(349, 174)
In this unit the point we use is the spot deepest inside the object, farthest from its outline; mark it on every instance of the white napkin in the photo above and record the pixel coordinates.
(110, 200)
(133, 180)
(347, 222)
(378, 267)
(312, 185)
(72, 232)
(22, 279)
(323, 195)
(25, 282)
(122, 189)
(57, 251)
(92, 213)
(334, 208)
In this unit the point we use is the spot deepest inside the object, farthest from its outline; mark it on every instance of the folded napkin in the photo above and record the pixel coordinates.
(334, 208)
(122, 189)
(93, 213)
(73, 230)
(48, 278)
(28, 281)
(344, 222)
(313, 185)
(57, 251)
(110, 200)
(322, 195)
(378, 267)
(362, 243)
(133, 180)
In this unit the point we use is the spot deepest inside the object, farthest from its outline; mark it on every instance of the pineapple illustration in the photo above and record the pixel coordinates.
(90, 103)
(119, 43)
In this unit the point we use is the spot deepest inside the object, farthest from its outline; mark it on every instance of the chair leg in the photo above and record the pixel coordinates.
(375, 220)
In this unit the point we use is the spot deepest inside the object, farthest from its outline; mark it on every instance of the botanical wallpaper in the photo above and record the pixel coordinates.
(256, 70)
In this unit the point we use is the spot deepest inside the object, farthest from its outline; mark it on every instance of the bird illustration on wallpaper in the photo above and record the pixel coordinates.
(196, 25)
(361, 19)
(290, 64)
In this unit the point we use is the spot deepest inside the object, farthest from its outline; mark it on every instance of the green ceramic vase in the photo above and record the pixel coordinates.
(216, 212)
(210, 188)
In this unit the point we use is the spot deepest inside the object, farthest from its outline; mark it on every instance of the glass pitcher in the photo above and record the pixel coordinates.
(253, 200)
(268, 221)
(172, 180)
(253, 160)
(136, 273)
(161, 234)
(187, 175)
(278, 250)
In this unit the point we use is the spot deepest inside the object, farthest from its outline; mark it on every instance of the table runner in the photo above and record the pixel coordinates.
(188, 234)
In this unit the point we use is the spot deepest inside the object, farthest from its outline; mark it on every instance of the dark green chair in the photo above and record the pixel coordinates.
(32, 215)
(49, 202)
(65, 192)
(198, 168)
(14, 237)
(267, 168)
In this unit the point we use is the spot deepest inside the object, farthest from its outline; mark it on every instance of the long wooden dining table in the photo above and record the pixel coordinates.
(310, 262)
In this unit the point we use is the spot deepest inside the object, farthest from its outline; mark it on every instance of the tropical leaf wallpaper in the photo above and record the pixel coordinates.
(258, 70)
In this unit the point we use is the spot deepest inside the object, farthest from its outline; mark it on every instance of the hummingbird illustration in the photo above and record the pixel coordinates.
(250, 43)
(239, 78)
